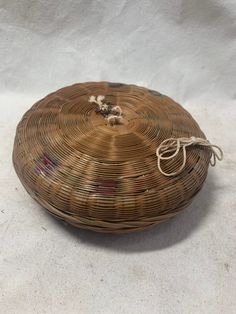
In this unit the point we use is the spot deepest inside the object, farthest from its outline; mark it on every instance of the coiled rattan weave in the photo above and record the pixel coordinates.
(104, 177)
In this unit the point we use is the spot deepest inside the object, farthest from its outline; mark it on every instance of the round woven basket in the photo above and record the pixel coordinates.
(99, 173)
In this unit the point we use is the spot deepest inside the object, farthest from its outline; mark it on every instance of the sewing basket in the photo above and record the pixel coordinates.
(100, 175)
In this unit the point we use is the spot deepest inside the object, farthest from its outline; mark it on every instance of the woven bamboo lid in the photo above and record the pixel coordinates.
(100, 175)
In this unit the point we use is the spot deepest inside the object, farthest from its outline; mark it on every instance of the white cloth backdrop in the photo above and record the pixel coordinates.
(183, 48)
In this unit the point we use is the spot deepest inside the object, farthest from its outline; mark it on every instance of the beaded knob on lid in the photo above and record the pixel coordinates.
(88, 154)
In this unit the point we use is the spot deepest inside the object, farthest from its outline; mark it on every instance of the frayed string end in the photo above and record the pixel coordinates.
(112, 113)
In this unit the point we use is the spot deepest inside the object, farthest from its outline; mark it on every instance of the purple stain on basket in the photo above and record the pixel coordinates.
(39, 170)
(115, 84)
(45, 165)
(106, 187)
(155, 93)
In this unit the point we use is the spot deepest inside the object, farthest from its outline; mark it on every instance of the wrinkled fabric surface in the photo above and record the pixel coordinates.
(185, 49)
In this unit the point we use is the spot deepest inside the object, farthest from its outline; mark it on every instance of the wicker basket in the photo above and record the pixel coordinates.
(102, 176)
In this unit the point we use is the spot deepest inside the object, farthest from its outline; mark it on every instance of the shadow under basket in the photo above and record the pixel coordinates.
(87, 153)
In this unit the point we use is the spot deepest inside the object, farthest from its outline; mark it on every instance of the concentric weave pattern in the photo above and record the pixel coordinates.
(103, 177)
